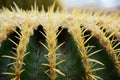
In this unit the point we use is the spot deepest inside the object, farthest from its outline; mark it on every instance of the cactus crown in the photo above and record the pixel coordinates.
(82, 25)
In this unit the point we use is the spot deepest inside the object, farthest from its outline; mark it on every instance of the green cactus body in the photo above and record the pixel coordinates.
(39, 45)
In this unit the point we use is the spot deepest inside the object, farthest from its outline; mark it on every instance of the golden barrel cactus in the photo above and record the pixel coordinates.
(58, 45)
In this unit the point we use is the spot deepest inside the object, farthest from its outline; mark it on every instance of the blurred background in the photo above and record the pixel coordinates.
(112, 5)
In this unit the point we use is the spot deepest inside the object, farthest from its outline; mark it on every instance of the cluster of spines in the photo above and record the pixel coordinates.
(104, 39)
(78, 34)
(103, 31)
(50, 24)
(51, 34)
(25, 32)
(6, 25)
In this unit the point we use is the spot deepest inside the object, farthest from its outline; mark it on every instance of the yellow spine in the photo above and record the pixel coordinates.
(51, 30)
(78, 34)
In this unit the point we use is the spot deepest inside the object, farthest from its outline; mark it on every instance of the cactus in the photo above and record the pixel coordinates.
(57, 45)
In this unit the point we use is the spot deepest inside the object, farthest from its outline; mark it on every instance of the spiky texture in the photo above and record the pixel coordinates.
(81, 45)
